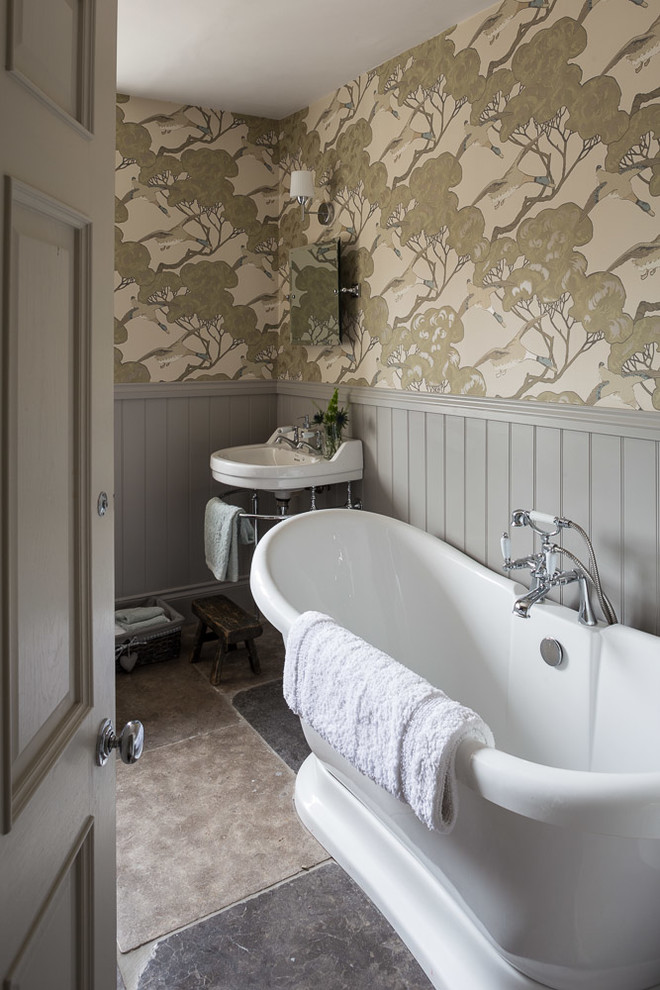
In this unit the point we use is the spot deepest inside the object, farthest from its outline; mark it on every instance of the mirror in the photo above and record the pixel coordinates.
(314, 298)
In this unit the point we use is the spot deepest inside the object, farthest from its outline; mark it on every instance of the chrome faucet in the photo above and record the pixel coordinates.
(282, 436)
(305, 445)
(544, 567)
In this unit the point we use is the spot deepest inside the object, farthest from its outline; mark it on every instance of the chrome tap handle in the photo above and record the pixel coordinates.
(505, 543)
(537, 520)
(520, 517)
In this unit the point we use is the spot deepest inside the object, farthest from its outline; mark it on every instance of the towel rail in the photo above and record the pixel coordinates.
(261, 515)
(236, 491)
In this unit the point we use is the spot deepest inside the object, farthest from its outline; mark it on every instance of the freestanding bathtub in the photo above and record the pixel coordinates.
(552, 871)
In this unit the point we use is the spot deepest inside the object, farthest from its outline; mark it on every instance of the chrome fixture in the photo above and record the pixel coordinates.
(544, 566)
(296, 442)
(552, 652)
(129, 743)
(306, 445)
(302, 189)
(349, 290)
(282, 436)
(310, 436)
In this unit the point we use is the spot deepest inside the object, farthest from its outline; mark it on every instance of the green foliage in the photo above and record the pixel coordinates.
(204, 179)
(598, 302)
(435, 206)
(133, 142)
(132, 260)
(206, 294)
(594, 110)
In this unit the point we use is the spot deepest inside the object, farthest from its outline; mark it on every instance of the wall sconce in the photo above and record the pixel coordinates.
(302, 189)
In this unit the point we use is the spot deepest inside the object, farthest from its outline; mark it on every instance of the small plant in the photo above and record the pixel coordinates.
(333, 421)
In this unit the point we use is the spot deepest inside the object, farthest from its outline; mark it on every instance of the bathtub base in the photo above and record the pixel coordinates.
(447, 945)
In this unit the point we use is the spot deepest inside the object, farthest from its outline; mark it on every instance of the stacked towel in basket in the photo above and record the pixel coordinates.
(387, 721)
(135, 620)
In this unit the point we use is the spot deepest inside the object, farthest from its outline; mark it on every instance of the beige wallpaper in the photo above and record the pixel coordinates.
(196, 282)
(496, 193)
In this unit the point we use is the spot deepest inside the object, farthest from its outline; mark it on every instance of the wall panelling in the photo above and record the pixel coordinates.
(454, 467)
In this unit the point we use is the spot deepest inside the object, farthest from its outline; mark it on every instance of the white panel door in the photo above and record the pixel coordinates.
(57, 885)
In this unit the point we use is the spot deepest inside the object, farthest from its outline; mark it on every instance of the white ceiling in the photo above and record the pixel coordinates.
(267, 57)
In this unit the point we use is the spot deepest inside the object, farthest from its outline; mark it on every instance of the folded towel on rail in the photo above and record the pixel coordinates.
(221, 539)
(138, 614)
(246, 531)
(387, 721)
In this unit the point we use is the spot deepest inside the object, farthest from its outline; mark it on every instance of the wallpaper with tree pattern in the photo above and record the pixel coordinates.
(496, 193)
(196, 281)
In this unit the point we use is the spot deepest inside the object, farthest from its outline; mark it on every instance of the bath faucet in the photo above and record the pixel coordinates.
(544, 567)
(586, 616)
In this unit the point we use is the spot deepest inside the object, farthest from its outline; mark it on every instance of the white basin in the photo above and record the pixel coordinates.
(279, 468)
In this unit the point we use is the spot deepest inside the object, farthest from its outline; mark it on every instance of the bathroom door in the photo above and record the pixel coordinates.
(57, 887)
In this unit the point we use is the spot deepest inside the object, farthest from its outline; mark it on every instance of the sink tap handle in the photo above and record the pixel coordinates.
(505, 543)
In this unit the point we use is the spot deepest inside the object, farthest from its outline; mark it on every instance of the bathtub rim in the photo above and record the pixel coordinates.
(605, 803)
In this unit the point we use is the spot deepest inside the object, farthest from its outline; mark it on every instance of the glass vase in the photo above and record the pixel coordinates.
(331, 440)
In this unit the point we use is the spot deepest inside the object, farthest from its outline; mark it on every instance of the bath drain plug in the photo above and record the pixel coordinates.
(552, 652)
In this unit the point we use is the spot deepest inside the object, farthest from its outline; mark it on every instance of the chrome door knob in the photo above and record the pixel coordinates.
(129, 742)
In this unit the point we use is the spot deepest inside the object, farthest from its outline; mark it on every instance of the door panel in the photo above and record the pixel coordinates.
(49, 50)
(50, 651)
(57, 866)
(68, 947)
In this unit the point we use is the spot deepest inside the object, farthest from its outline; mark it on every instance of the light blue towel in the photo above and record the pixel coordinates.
(138, 614)
(221, 539)
(246, 531)
(136, 627)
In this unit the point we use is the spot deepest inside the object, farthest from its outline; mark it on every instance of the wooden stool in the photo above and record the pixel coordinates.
(224, 620)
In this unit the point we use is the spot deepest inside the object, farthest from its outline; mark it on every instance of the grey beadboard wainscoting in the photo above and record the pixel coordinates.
(164, 435)
(455, 467)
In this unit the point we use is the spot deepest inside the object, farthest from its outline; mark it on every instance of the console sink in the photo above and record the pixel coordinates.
(272, 467)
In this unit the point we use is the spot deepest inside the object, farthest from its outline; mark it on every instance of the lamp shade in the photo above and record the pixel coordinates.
(302, 184)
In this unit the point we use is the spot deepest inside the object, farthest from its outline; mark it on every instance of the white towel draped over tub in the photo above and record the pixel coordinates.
(387, 721)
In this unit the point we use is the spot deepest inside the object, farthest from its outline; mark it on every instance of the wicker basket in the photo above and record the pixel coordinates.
(155, 644)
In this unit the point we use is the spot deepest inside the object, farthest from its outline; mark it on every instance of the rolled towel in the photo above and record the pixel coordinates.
(387, 721)
(221, 539)
(428, 755)
(138, 614)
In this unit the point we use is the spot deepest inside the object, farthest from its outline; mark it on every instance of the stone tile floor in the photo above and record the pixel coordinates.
(313, 931)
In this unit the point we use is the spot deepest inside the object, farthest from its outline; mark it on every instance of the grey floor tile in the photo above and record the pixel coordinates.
(206, 823)
(172, 701)
(316, 932)
(267, 712)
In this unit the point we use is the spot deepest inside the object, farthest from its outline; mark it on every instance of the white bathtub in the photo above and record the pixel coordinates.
(552, 872)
